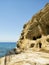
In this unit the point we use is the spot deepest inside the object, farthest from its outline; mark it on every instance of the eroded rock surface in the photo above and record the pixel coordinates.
(35, 29)
(33, 45)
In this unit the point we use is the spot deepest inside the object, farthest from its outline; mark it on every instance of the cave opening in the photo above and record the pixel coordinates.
(40, 45)
(39, 36)
(32, 45)
(34, 38)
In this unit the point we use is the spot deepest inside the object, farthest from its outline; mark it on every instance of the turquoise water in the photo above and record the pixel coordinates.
(5, 47)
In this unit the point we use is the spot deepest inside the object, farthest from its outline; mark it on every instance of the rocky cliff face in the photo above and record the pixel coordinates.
(33, 45)
(34, 30)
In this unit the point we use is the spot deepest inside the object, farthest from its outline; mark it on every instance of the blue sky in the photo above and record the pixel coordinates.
(13, 15)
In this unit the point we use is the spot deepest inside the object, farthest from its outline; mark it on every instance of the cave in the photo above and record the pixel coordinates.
(34, 38)
(32, 45)
(39, 36)
(40, 45)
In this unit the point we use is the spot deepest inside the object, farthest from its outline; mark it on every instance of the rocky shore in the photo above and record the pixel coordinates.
(33, 44)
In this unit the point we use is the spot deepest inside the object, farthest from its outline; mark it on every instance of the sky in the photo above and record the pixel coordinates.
(14, 14)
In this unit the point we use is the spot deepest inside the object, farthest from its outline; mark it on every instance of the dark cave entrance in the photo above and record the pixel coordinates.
(35, 38)
(32, 45)
(40, 45)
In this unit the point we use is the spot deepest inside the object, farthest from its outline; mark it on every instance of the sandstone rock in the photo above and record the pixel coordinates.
(35, 29)
(28, 58)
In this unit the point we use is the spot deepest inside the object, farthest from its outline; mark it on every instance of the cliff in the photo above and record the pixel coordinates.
(34, 30)
(33, 44)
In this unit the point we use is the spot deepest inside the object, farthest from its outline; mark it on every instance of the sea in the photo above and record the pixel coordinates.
(5, 47)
